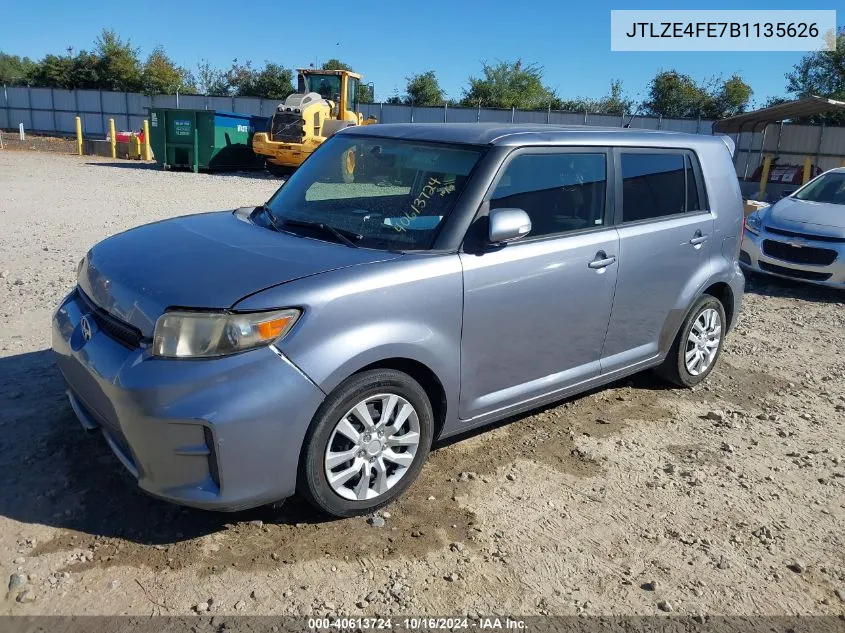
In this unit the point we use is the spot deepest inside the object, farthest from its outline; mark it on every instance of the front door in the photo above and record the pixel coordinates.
(536, 311)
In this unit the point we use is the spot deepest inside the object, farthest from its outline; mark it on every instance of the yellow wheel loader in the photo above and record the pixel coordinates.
(325, 102)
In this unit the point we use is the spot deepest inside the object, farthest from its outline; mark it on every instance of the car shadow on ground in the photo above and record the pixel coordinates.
(768, 286)
(256, 174)
(57, 474)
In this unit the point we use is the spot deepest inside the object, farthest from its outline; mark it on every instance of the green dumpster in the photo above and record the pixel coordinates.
(204, 139)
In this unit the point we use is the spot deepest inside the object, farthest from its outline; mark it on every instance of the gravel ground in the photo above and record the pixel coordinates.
(635, 499)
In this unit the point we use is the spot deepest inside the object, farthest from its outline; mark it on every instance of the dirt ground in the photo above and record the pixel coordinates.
(634, 499)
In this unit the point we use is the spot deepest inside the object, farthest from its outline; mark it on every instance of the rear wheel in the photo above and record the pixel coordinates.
(367, 443)
(698, 344)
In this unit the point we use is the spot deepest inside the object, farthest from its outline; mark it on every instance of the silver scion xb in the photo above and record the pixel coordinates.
(801, 236)
(459, 275)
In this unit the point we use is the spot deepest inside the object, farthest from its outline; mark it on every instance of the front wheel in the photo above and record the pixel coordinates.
(698, 344)
(367, 443)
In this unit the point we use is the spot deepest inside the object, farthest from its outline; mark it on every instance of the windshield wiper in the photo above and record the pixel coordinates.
(267, 211)
(347, 237)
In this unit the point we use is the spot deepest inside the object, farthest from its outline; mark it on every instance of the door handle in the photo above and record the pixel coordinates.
(601, 261)
(698, 239)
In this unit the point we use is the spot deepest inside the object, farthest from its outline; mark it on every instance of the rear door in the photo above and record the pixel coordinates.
(665, 233)
(536, 311)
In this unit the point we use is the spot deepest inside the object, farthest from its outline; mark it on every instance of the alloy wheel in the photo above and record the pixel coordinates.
(372, 447)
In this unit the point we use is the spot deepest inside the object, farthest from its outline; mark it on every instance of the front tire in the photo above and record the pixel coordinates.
(366, 444)
(698, 344)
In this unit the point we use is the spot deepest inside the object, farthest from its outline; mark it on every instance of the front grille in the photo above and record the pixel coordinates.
(286, 127)
(807, 236)
(797, 274)
(120, 331)
(799, 254)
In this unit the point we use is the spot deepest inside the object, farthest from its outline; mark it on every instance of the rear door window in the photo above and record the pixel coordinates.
(657, 184)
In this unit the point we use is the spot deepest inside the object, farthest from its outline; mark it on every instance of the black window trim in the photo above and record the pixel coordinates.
(607, 215)
(683, 151)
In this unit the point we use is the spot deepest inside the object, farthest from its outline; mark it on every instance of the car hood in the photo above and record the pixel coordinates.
(803, 216)
(208, 261)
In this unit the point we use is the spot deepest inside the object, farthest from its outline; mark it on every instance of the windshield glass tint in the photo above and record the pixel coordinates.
(829, 188)
(394, 193)
(327, 85)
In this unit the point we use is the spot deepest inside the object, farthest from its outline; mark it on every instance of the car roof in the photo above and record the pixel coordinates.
(528, 134)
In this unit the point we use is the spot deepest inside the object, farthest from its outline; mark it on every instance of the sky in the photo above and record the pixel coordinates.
(388, 42)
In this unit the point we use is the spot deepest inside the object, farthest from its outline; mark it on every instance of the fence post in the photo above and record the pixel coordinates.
(660, 122)
(148, 154)
(22, 134)
(513, 113)
(53, 106)
(445, 108)
(79, 135)
(113, 137)
(549, 113)
(819, 145)
(29, 105)
(126, 104)
(8, 109)
(177, 99)
(102, 114)
(478, 114)
(412, 113)
(381, 111)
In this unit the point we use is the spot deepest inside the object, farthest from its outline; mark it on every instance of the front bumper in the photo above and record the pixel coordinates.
(280, 153)
(220, 434)
(789, 261)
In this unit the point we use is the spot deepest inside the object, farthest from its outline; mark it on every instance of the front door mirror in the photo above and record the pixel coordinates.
(508, 225)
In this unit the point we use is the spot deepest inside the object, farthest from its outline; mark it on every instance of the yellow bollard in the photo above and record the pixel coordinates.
(148, 154)
(764, 176)
(136, 147)
(808, 165)
(113, 137)
(79, 135)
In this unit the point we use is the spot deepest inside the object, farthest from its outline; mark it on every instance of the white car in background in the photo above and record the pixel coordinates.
(802, 236)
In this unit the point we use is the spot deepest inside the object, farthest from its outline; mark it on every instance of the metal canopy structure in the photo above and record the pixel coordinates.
(760, 120)
(749, 121)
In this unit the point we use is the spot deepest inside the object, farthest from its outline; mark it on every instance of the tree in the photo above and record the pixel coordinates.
(84, 71)
(507, 85)
(211, 81)
(615, 102)
(365, 91)
(336, 64)
(118, 67)
(821, 73)
(423, 90)
(272, 82)
(672, 94)
(15, 70)
(53, 71)
(161, 76)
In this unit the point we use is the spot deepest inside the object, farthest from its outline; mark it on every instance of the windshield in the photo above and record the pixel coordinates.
(390, 194)
(327, 85)
(828, 188)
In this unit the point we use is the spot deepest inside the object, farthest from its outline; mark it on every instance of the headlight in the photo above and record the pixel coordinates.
(753, 224)
(203, 334)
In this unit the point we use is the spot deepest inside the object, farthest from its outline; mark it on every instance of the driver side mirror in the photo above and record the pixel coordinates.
(508, 225)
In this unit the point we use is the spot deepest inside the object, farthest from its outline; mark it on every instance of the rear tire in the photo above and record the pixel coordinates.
(342, 446)
(698, 344)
